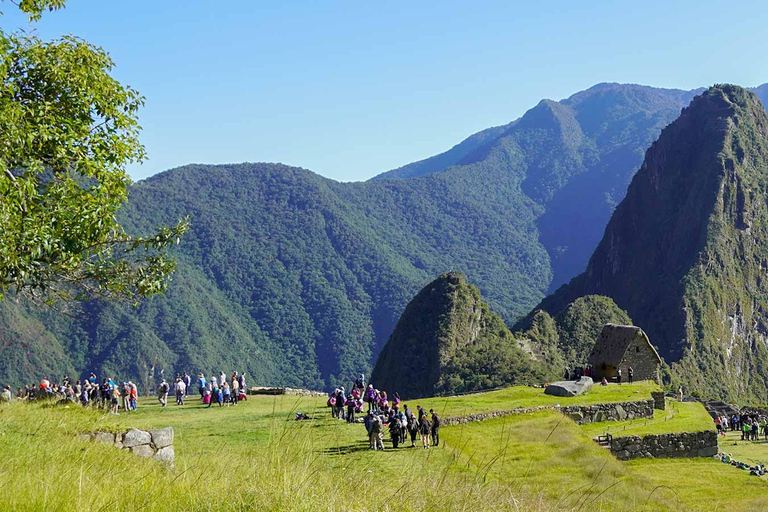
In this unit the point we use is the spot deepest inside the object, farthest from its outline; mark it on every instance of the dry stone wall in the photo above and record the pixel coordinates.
(261, 390)
(581, 414)
(157, 444)
(685, 444)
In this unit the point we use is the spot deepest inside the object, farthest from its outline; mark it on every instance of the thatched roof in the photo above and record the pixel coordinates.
(613, 343)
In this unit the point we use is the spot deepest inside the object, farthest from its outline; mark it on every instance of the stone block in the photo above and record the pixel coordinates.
(85, 437)
(576, 416)
(620, 412)
(166, 455)
(162, 437)
(136, 438)
(569, 388)
(104, 437)
(143, 450)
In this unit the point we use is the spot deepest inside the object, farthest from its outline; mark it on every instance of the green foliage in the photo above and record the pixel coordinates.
(68, 130)
(448, 341)
(568, 338)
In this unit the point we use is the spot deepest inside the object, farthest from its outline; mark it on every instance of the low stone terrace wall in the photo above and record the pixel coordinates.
(157, 444)
(581, 414)
(684, 444)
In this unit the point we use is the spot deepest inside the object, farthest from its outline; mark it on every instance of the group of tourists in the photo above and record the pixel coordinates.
(750, 423)
(113, 396)
(220, 389)
(381, 413)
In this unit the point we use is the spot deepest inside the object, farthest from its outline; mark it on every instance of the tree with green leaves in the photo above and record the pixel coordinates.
(68, 131)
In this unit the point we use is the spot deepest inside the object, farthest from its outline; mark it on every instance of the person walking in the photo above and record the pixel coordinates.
(424, 429)
(162, 393)
(435, 428)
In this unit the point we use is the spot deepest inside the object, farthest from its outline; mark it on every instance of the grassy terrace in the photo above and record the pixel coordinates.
(678, 417)
(523, 396)
(256, 457)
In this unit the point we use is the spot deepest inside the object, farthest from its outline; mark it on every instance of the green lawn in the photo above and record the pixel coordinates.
(256, 457)
(678, 417)
(523, 396)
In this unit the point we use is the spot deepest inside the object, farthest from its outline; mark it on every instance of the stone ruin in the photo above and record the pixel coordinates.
(157, 444)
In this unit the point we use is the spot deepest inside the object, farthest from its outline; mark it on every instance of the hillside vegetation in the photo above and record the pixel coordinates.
(448, 341)
(684, 253)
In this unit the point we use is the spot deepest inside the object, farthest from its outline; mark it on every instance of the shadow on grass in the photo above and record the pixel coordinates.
(361, 446)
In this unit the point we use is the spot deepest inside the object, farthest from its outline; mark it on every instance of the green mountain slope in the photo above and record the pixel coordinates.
(300, 280)
(579, 155)
(448, 341)
(685, 252)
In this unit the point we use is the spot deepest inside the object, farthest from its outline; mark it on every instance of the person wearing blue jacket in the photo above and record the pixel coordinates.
(201, 384)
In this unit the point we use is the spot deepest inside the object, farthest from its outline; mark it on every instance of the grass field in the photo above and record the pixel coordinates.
(256, 457)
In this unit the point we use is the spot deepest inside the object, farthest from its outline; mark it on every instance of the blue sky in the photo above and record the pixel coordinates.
(351, 89)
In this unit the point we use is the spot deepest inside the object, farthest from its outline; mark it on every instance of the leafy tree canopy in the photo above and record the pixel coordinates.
(69, 129)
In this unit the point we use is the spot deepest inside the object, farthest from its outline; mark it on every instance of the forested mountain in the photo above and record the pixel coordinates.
(685, 251)
(448, 341)
(300, 280)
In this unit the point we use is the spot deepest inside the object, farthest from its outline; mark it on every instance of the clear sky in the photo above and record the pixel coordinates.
(351, 89)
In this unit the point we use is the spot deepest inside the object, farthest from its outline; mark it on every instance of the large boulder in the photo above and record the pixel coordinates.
(569, 387)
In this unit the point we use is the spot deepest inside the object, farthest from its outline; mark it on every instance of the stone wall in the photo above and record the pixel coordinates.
(583, 414)
(157, 444)
(261, 390)
(659, 401)
(685, 444)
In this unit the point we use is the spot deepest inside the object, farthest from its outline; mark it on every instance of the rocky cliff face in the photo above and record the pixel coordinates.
(685, 252)
(448, 341)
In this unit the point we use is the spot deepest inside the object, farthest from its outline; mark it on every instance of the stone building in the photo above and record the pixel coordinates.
(622, 346)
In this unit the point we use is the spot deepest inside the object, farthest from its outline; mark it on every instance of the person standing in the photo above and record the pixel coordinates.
(435, 428)
(181, 391)
(201, 385)
(6, 395)
(424, 428)
(187, 383)
(630, 374)
(375, 436)
(162, 393)
(235, 389)
(226, 393)
(680, 392)
(618, 376)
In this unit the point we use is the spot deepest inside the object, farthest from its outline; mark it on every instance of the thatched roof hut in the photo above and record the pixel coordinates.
(624, 346)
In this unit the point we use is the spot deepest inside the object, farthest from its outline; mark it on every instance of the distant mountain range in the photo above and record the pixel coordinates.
(300, 280)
